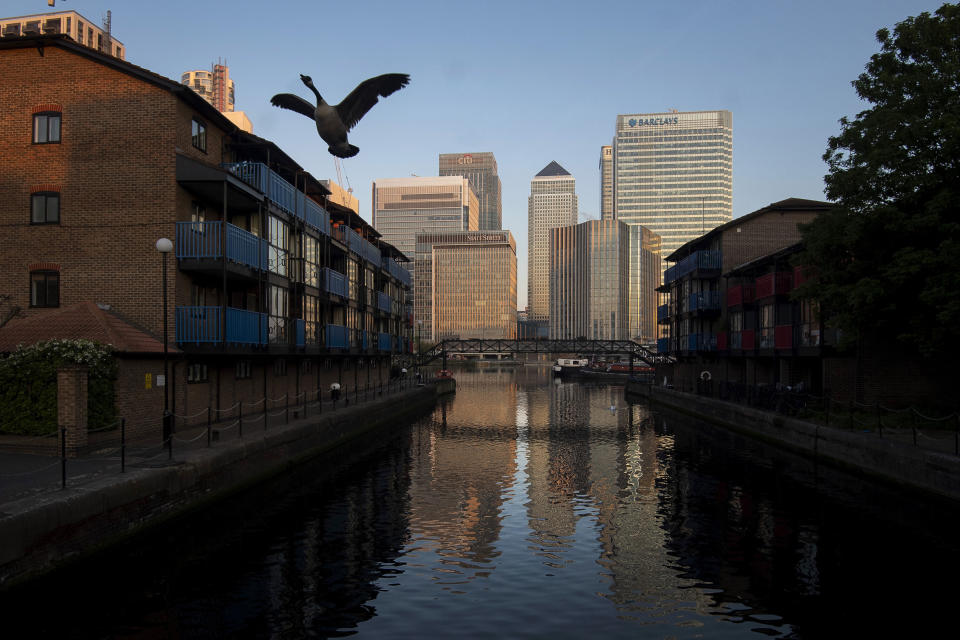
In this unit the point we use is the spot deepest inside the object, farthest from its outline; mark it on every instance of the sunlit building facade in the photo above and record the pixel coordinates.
(69, 23)
(606, 182)
(468, 285)
(673, 173)
(214, 86)
(589, 281)
(552, 203)
(481, 170)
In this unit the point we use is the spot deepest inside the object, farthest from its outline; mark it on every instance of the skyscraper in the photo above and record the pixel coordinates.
(216, 87)
(606, 182)
(403, 207)
(589, 280)
(671, 180)
(552, 203)
(469, 285)
(481, 170)
(673, 173)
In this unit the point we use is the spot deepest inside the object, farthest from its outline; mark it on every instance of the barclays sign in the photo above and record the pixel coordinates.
(646, 122)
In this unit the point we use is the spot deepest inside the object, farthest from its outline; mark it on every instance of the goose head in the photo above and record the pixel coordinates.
(307, 80)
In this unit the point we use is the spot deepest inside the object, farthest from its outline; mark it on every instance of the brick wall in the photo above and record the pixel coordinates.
(761, 236)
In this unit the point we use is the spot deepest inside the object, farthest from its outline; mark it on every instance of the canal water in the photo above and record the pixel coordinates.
(526, 507)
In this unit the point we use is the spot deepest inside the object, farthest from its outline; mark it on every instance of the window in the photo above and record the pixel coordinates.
(198, 135)
(44, 289)
(243, 370)
(46, 127)
(196, 373)
(45, 207)
(198, 216)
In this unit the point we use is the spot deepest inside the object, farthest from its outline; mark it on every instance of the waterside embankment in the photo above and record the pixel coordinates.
(889, 459)
(39, 533)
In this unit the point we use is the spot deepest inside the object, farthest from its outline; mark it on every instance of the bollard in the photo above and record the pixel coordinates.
(123, 445)
(208, 427)
(63, 458)
(240, 423)
(168, 433)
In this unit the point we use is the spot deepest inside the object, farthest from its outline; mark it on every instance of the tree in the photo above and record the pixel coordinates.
(885, 263)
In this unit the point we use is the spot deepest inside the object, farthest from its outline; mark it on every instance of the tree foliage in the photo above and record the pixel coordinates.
(886, 262)
(28, 385)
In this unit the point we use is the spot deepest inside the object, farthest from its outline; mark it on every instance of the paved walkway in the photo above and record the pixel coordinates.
(25, 475)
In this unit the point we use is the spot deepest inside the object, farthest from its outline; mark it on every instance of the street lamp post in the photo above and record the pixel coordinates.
(419, 347)
(164, 246)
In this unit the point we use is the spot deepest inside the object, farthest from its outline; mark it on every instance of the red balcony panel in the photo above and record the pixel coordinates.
(774, 283)
(740, 294)
(735, 296)
(748, 339)
(783, 336)
(799, 277)
(721, 341)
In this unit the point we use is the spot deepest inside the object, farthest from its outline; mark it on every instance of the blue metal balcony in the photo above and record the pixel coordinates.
(246, 327)
(390, 265)
(384, 342)
(663, 345)
(338, 337)
(360, 246)
(697, 261)
(663, 312)
(384, 302)
(198, 325)
(299, 332)
(705, 301)
(201, 241)
(335, 282)
(282, 193)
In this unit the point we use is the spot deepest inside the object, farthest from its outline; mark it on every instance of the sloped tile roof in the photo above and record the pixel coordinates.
(84, 320)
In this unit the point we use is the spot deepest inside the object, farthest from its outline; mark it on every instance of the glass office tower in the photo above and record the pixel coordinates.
(589, 281)
(673, 173)
(469, 285)
(480, 169)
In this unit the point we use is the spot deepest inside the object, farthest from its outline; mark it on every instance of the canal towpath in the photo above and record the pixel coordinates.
(44, 520)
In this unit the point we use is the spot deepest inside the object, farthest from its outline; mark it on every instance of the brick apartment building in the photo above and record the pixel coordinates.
(272, 290)
(727, 308)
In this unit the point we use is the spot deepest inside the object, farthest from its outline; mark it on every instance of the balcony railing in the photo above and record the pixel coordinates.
(749, 339)
(705, 301)
(697, 261)
(740, 294)
(783, 336)
(398, 272)
(338, 337)
(282, 193)
(198, 325)
(384, 302)
(335, 282)
(663, 312)
(246, 327)
(774, 284)
(299, 332)
(360, 246)
(201, 241)
(384, 341)
(663, 345)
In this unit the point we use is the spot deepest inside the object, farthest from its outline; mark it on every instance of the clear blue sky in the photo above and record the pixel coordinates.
(530, 81)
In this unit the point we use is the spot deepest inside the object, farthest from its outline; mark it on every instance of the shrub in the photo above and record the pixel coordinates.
(28, 385)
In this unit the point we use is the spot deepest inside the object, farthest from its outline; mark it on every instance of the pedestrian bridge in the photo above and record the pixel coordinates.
(627, 348)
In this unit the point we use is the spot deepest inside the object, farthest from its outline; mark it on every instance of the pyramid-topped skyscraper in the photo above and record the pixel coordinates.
(552, 203)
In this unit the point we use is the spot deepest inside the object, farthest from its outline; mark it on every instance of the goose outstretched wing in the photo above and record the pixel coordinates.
(294, 103)
(367, 93)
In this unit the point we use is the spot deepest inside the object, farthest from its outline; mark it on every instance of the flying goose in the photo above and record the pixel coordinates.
(333, 122)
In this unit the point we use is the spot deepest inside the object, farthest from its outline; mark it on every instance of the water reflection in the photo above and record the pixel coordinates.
(526, 508)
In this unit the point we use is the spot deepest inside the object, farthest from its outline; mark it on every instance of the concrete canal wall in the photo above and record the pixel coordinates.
(37, 534)
(888, 459)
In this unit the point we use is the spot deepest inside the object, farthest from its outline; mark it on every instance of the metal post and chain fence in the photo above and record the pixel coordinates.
(907, 424)
(211, 425)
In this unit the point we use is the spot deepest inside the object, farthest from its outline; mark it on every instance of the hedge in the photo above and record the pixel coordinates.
(28, 385)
